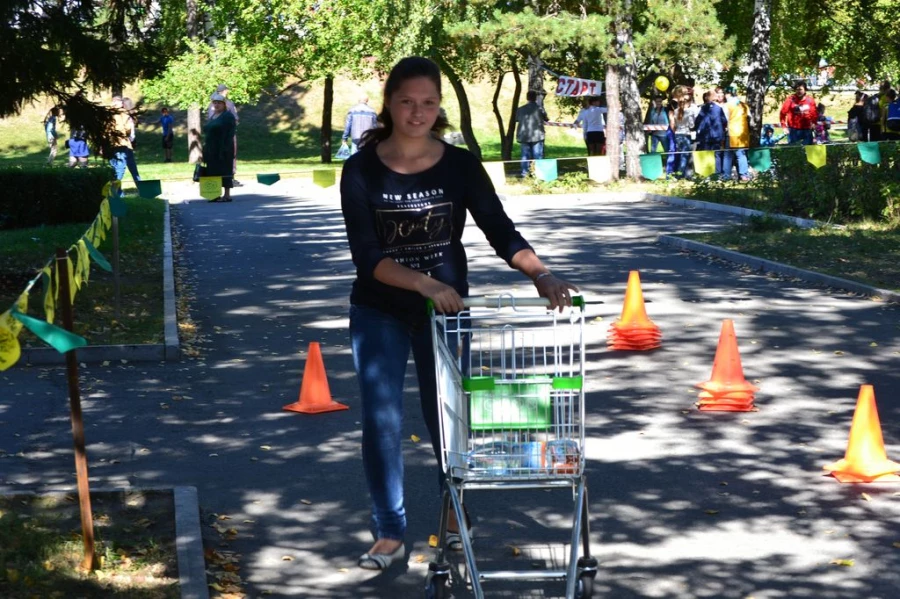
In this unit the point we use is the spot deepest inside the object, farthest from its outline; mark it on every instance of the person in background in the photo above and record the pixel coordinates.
(682, 119)
(712, 129)
(591, 120)
(768, 139)
(222, 90)
(123, 151)
(798, 116)
(166, 121)
(658, 116)
(857, 127)
(883, 101)
(50, 131)
(530, 131)
(892, 116)
(360, 119)
(823, 125)
(128, 106)
(404, 178)
(738, 138)
(78, 149)
(218, 145)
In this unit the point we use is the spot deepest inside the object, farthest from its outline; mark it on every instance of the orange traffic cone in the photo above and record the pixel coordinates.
(727, 390)
(634, 330)
(315, 396)
(865, 460)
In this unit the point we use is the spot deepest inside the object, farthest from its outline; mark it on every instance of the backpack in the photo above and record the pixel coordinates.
(871, 110)
(893, 116)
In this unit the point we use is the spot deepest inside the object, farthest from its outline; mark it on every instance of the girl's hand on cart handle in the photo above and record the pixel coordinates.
(554, 289)
(446, 299)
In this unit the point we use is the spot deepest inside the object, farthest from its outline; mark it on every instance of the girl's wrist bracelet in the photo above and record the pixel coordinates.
(546, 273)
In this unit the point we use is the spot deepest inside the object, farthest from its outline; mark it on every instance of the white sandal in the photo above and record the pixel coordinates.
(381, 561)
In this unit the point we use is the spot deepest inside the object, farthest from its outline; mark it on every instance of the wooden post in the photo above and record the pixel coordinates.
(81, 467)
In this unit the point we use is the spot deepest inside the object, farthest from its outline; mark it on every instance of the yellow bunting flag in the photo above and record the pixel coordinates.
(83, 272)
(9, 346)
(210, 187)
(705, 162)
(496, 173)
(7, 320)
(70, 269)
(815, 155)
(323, 177)
(105, 214)
(598, 169)
(49, 294)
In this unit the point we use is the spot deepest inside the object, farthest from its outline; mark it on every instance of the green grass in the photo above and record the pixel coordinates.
(41, 547)
(865, 252)
(26, 251)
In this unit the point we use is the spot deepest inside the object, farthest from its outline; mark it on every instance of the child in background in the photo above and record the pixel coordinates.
(50, 131)
(78, 149)
(822, 126)
(768, 138)
(168, 135)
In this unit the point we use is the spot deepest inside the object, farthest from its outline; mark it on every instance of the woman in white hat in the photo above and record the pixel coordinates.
(218, 145)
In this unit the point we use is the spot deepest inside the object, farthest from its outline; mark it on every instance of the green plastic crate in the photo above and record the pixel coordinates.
(509, 404)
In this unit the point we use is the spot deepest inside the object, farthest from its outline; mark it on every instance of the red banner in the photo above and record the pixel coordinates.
(574, 87)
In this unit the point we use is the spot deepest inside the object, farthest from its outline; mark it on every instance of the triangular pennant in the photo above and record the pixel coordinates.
(7, 320)
(496, 173)
(105, 214)
(83, 272)
(117, 206)
(112, 189)
(70, 272)
(760, 159)
(60, 339)
(49, 301)
(97, 256)
(869, 152)
(149, 189)
(9, 346)
(815, 155)
(210, 187)
(270, 179)
(598, 169)
(323, 177)
(545, 169)
(651, 166)
(705, 162)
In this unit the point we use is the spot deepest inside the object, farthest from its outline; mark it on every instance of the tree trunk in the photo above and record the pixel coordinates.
(465, 112)
(327, 103)
(630, 94)
(612, 118)
(195, 148)
(758, 78)
(536, 77)
(507, 133)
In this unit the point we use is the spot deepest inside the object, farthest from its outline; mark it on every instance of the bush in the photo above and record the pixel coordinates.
(34, 196)
(845, 190)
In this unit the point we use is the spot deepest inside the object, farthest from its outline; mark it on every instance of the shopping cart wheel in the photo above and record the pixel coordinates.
(587, 570)
(436, 582)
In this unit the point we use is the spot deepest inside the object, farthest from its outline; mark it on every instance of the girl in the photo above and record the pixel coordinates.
(404, 197)
(218, 145)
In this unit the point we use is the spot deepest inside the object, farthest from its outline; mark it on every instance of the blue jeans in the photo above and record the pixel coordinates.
(670, 145)
(531, 150)
(802, 136)
(728, 163)
(122, 158)
(381, 346)
(683, 159)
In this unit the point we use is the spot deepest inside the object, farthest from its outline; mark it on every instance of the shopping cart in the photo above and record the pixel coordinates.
(510, 381)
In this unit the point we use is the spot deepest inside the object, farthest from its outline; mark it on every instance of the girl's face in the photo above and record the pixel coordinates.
(218, 106)
(414, 107)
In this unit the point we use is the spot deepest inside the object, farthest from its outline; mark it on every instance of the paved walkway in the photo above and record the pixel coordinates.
(270, 272)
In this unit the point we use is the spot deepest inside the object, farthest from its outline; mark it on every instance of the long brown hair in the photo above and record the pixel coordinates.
(410, 67)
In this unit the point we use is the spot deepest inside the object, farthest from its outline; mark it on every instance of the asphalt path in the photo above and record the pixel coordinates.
(683, 504)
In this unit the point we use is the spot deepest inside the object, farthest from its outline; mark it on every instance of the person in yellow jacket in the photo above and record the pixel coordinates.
(738, 114)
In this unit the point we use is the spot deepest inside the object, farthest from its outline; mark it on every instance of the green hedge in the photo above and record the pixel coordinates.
(34, 196)
(845, 190)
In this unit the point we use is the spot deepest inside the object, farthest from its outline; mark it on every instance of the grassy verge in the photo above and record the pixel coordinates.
(864, 252)
(25, 251)
(41, 547)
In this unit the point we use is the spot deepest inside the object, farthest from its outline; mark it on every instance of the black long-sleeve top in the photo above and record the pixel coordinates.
(418, 221)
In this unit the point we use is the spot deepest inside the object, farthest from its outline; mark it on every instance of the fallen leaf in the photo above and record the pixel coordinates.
(433, 541)
(287, 558)
(216, 587)
(896, 544)
(866, 497)
(224, 517)
(415, 438)
(249, 521)
(420, 559)
(265, 447)
(711, 512)
(343, 570)
(306, 502)
(516, 552)
(838, 352)
(842, 562)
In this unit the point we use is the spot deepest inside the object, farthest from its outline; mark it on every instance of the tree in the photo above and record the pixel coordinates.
(758, 67)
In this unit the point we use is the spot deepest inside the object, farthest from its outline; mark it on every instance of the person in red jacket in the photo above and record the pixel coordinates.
(799, 116)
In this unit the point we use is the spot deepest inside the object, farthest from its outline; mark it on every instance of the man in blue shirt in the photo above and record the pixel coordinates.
(168, 134)
(712, 129)
(360, 119)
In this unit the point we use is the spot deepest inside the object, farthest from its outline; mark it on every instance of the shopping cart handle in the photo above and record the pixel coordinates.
(505, 301)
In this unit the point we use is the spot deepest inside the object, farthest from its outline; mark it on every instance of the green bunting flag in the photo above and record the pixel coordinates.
(816, 155)
(324, 177)
(117, 206)
(97, 256)
(149, 189)
(705, 162)
(545, 169)
(60, 339)
(760, 159)
(268, 179)
(651, 166)
(869, 152)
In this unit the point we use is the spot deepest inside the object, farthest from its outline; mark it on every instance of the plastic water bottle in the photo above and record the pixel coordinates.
(495, 458)
(562, 456)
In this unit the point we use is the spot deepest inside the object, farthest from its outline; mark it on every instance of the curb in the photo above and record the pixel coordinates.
(156, 352)
(764, 265)
(743, 212)
(189, 544)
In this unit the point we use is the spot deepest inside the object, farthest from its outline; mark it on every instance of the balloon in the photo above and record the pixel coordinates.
(662, 83)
